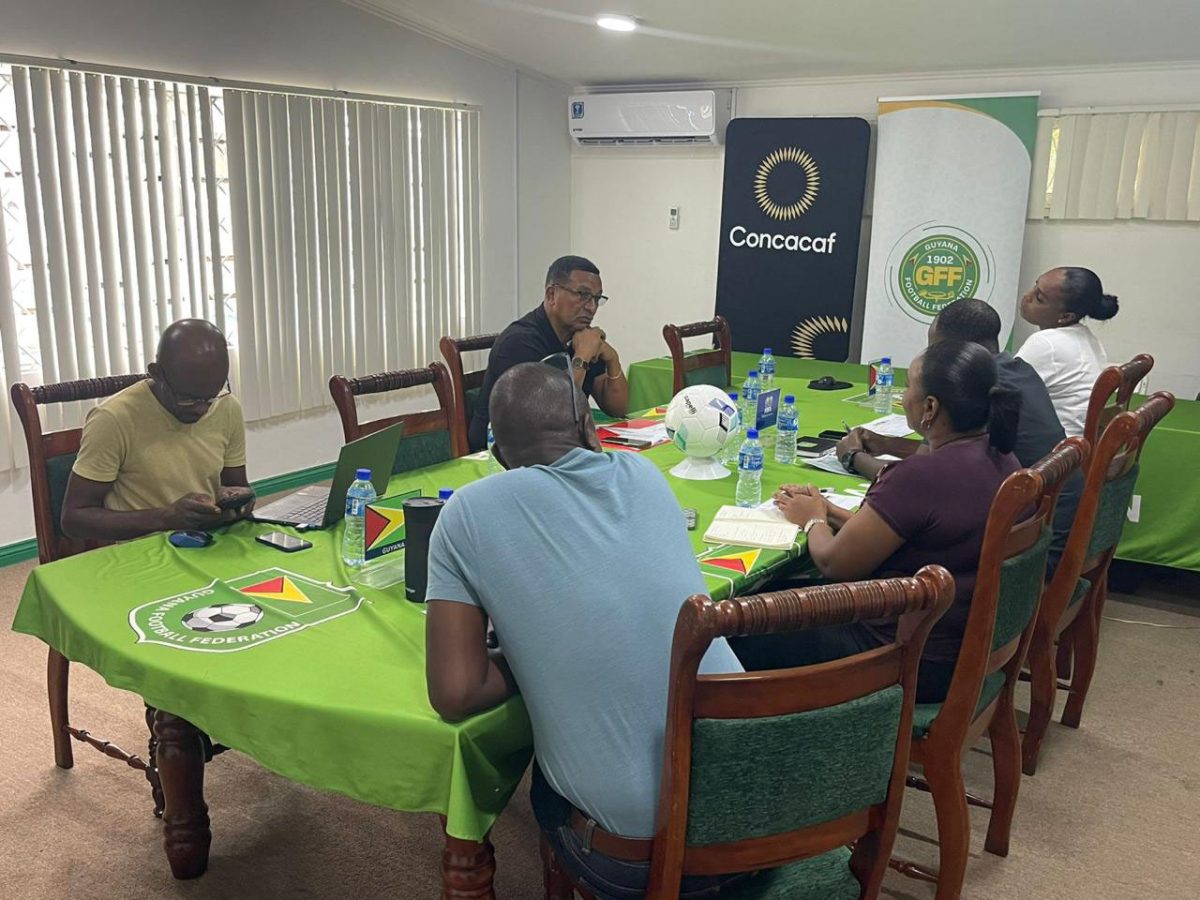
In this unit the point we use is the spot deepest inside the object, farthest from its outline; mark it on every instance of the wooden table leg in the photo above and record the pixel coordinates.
(467, 870)
(180, 757)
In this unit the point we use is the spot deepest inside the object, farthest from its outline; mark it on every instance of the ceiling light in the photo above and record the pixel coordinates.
(616, 23)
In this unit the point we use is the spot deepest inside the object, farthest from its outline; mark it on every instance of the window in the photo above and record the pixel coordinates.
(320, 234)
(1123, 165)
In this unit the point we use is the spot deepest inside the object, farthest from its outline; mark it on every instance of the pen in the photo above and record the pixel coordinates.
(844, 425)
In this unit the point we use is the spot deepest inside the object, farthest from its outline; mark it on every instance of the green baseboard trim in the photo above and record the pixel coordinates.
(289, 481)
(18, 552)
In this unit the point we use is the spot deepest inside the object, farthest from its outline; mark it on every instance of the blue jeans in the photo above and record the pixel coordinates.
(604, 876)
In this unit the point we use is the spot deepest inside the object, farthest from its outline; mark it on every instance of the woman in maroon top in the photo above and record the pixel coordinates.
(929, 508)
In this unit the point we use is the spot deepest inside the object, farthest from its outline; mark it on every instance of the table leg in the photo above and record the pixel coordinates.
(467, 870)
(180, 758)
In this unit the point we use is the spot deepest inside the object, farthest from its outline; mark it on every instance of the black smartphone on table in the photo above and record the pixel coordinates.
(288, 543)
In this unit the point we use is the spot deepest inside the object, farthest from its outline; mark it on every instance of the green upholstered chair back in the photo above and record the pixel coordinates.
(781, 770)
(700, 367)
(714, 375)
(58, 473)
(471, 398)
(422, 450)
(1022, 578)
(429, 436)
(792, 771)
(1115, 497)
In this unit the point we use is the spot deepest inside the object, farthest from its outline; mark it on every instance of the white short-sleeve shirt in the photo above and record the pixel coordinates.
(1069, 359)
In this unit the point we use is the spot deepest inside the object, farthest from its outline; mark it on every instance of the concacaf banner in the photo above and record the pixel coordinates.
(791, 214)
(951, 188)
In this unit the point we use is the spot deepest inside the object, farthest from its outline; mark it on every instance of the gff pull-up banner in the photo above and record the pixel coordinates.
(790, 220)
(951, 189)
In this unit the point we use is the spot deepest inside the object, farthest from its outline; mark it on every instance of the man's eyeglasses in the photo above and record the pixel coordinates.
(563, 361)
(585, 297)
(194, 402)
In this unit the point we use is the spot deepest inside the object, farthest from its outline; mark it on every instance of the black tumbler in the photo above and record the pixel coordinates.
(419, 515)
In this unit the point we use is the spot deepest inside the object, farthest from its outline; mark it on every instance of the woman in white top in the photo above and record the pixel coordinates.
(1064, 351)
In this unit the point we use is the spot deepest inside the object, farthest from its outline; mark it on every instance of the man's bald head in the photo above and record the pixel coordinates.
(193, 361)
(532, 418)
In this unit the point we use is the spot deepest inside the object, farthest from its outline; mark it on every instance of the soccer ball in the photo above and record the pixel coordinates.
(699, 420)
(226, 617)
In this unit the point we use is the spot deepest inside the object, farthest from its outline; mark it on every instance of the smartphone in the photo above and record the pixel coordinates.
(286, 542)
(689, 518)
(235, 500)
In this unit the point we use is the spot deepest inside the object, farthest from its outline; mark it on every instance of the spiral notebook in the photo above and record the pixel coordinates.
(751, 527)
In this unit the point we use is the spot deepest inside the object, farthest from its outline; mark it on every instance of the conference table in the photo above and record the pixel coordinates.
(328, 687)
(1165, 515)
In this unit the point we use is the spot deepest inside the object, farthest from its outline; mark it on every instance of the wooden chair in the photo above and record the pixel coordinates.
(709, 367)
(1074, 600)
(51, 455)
(780, 770)
(1112, 392)
(430, 436)
(1008, 587)
(466, 384)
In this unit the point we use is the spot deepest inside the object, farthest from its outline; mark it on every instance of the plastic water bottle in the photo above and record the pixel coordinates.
(493, 464)
(883, 386)
(733, 441)
(361, 492)
(751, 388)
(750, 463)
(788, 426)
(766, 369)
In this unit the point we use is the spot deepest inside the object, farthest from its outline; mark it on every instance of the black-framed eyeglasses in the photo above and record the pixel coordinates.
(193, 402)
(585, 296)
(563, 361)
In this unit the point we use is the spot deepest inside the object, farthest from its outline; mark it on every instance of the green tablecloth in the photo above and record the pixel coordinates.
(1165, 518)
(340, 705)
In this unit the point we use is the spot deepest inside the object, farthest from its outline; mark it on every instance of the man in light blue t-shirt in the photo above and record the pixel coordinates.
(581, 559)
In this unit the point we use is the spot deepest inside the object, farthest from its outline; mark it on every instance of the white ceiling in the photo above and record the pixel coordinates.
(726, 40)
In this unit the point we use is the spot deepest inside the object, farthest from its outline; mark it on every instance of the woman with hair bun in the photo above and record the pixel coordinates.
(1064, 351)
(929, 508)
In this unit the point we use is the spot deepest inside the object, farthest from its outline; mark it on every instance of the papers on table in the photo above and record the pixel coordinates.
(751, 527)
(891, 425)
(636, 434)
(655, 433)
(827, 462)
(849, 502)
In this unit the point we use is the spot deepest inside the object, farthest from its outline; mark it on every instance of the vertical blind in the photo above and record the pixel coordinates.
(321, 235)
(353, 232)
(1129, 165)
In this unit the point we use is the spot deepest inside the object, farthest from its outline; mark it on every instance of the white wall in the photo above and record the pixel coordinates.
(327, 44)
(621, 197)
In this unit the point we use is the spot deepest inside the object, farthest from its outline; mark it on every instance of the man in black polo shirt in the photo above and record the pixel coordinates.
(563, 321)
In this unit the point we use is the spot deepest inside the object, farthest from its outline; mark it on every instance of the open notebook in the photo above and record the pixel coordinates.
(751, 527)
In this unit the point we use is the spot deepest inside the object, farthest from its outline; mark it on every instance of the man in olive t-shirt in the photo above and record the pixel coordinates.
(160, 455)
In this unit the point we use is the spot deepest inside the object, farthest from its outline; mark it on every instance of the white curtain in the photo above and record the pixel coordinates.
(1139, 165)
(354, 227)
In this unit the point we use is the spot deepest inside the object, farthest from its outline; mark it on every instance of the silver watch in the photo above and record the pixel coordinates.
(818, 520)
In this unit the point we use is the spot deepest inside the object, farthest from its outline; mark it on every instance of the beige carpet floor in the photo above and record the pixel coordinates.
(1113, 812)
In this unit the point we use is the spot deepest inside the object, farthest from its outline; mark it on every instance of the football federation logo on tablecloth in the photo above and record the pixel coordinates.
(238, 613)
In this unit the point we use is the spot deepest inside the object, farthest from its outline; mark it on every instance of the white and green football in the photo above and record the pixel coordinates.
(699, 420)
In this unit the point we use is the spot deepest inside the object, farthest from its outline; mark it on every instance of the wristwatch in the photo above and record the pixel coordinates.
(847, 460)
(812, 523)
(578, 362)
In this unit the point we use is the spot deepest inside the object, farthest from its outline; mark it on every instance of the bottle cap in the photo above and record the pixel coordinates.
(445, 493)
(752, 434)
(766, 351)
(733, 395)
(753, 373)
(789, 398)
(887, 360)
(363, 474)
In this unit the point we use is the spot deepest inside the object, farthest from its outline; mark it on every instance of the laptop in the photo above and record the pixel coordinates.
(320, 507)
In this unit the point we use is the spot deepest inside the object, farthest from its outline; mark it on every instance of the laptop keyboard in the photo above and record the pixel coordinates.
(311, 513)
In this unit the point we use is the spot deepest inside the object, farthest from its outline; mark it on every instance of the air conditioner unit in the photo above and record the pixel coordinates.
(658, 117)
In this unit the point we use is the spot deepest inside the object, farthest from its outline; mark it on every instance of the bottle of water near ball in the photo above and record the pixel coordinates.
(361, 492)
(733, 440)
(751, 388)
(750, 464)
(766, 369)
(883, 386)
(788, 428)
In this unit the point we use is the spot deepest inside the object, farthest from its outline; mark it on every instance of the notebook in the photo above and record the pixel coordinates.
(750, 527)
